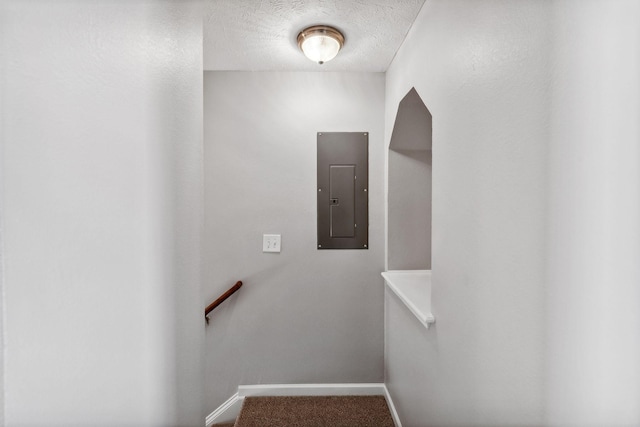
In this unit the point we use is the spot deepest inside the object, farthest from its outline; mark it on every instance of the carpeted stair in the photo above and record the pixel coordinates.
(314, 411)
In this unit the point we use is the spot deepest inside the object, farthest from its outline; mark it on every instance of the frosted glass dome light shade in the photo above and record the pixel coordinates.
(320, 43)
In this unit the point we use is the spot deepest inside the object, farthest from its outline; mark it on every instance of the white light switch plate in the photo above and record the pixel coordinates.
(270, 243)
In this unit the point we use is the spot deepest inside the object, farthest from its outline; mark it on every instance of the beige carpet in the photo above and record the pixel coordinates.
(316, 411)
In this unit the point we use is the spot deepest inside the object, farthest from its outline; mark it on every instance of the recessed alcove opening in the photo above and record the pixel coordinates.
(408, 273)
(410, 177)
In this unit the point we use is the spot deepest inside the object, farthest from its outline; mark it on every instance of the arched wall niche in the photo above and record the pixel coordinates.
(410, 182)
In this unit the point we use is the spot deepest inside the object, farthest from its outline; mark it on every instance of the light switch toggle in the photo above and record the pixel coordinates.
(334, 201)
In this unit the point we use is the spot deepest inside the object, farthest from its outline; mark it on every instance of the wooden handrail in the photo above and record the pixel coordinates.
(220, 300)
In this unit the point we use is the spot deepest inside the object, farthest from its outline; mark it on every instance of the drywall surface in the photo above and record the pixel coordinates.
(536, 206)
(412, 129)
(481, 69)
(1, 309)
(102, 212)
(409, 179)
(593, 296)
(409, 349)
(409, 212)
(1, 240)
(303, 315)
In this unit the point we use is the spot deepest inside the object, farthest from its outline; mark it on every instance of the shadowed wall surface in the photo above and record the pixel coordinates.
(102, 212)
(303, 315)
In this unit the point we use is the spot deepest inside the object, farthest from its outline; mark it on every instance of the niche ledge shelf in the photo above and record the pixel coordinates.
(413, 287)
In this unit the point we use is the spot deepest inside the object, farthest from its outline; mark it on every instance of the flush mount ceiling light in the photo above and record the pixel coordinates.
(320, 43)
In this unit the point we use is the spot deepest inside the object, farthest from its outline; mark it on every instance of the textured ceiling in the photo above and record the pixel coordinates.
(261, 34)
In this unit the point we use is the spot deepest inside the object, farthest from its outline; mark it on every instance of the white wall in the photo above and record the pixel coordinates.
(536, 165)
(102, 212)
(2, 126)
(304, 315)
(481, 69)
(593, 295)
(2, 346)
(409, 213)
(409, 168)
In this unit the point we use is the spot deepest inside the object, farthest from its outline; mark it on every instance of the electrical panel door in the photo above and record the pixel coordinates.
(343, 179)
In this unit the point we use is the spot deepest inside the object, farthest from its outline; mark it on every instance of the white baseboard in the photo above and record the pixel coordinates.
(229, 410)
(392, 407)
(362, 389)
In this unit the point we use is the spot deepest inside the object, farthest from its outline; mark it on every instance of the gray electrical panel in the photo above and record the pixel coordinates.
(343, 193)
